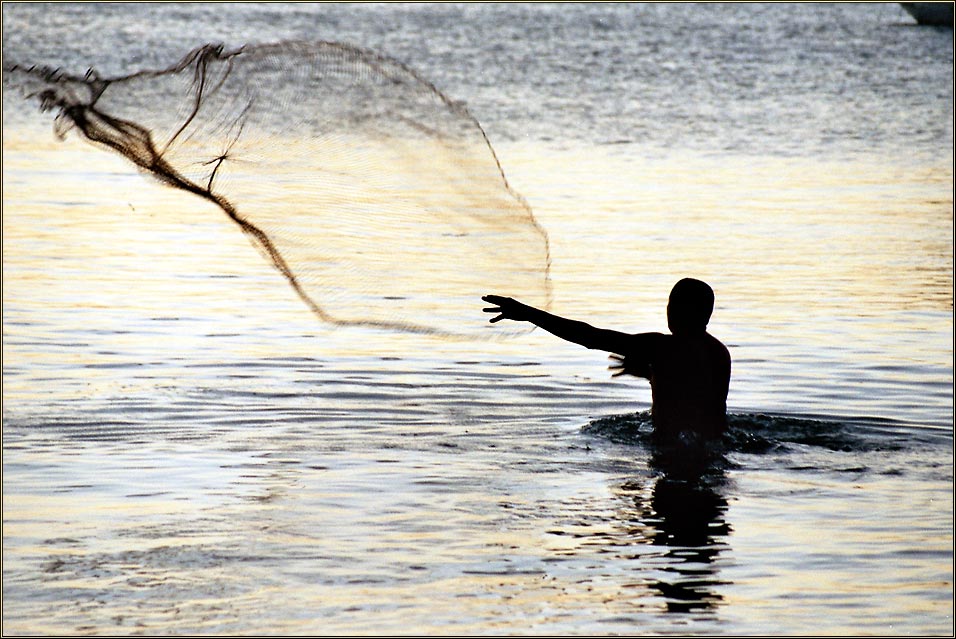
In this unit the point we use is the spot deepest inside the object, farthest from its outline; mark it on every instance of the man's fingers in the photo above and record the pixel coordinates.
(501, 302)
(617, 366)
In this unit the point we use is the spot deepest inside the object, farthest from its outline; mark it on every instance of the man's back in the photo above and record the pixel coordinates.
(690, 377)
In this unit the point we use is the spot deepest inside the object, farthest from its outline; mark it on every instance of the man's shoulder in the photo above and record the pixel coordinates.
(718, 346)
(643, 340)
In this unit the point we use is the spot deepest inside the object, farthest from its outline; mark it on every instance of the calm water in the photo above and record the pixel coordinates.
(187, 450)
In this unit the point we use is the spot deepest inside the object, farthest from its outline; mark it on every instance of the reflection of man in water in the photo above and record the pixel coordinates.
(689, 369)
(688, 519)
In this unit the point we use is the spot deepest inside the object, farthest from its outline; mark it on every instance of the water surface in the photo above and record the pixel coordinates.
(188, 450)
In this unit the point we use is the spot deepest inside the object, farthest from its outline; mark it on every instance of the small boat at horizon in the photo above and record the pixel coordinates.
(937, 14)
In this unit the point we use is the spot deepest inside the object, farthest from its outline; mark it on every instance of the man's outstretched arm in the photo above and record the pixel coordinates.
(570, 330)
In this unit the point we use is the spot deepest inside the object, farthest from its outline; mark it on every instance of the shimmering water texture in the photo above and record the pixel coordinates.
(380, 200)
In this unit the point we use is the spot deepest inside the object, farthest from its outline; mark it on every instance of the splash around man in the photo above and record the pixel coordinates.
(689, 369)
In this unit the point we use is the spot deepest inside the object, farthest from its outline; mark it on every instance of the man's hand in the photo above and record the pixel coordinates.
(622, 365)
(506, 308)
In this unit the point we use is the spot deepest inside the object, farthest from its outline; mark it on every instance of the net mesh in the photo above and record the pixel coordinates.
(380, 200)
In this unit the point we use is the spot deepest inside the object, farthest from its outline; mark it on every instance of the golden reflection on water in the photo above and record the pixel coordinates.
(810, 256)
(768, 231)
(835, 238)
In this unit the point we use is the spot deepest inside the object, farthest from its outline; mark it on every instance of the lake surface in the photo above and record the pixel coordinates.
(188, 449)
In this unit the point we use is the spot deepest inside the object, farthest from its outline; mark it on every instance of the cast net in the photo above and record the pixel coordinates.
(379, 199)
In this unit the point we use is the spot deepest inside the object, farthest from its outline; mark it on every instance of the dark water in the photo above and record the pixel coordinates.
(771, 78)
(187, 450)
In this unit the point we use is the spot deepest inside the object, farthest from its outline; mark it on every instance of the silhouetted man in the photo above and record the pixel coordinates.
(689, 369)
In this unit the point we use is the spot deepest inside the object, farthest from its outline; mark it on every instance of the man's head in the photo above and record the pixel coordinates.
(689, 307)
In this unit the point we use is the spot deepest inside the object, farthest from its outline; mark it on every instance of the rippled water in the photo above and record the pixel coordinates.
(187, 450)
